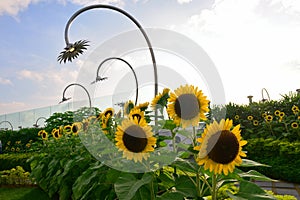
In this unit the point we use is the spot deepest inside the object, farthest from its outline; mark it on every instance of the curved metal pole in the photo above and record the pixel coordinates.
(117, 58)
(262, 94)
(36, 123)
(132, 19)
(8, 123)
(65, 99)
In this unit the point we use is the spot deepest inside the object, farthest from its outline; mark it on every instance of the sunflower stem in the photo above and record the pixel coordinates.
(214, 187)
(152, 187)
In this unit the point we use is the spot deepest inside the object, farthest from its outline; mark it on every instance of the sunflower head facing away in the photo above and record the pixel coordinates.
(161, 99)
(187, 105)
(143, 106)
(109, 112)
(136, 113)
(220, 148)
(127, 107)
(135, 138)
(72, 51)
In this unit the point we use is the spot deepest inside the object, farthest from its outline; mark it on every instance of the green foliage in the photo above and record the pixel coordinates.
(69, 117)
(282, 156)
(18, 141)
(9, 161)
(23, 193)
(15, 176)
(253, 121)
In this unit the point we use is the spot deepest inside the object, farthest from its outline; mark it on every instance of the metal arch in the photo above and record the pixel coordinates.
(8, 123)
(132, 19)
(262, 94)
(117, 58)
(72, 84)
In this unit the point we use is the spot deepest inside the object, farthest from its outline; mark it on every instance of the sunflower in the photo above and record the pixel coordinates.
(105, 123)
(220, 147)
(57, 132)
(135, 138)
(76, 126)
(92, 119)
(108, 112)
(250, 118)
(85, 124)
(236, 117)
(269, 118)
(277, 112)
(44, 134)
(255, 122)
(136, 113)
(264, 115)
(161, 99)
(143, 106)
(72, 51)
(295, 109)
(187, 106)
(67, 129)
(127, 107)
(294, 125)
(281, 114)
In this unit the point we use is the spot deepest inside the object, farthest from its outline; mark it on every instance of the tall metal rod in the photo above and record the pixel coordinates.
(8, 123)
(72, 84)
(262, 94)
(132, 19)
(99, 78)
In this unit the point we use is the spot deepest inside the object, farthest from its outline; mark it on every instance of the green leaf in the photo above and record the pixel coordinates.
(250, 191)
(251, 163)
(185, 186)
(83, 182)
(170, 195)
(167, 180)
(169, 124)
(185, 165)
(255, 175)
(127, 185)
(65, 192)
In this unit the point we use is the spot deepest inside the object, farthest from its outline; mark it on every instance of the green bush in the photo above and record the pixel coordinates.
(18, 141)
(282, 156)
(283, 122)
(15, 176)
(9, 161)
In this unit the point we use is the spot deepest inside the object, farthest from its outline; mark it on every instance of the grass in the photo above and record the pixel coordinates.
(30, 193)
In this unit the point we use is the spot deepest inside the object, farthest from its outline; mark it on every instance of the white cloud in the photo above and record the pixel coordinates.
(11, 107)
(31, 75)
(13, 7)
(4, 81)
(249, 45)
(184, 1)
(89, 2)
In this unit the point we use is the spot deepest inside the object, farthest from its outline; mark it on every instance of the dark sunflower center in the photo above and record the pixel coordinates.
(44, 135)
(138, 116)
(56, 134)
(74, 129)
(224, 147)
(187, 106)
(135, 139)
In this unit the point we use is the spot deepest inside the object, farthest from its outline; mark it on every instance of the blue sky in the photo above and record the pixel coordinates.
(254, 43)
